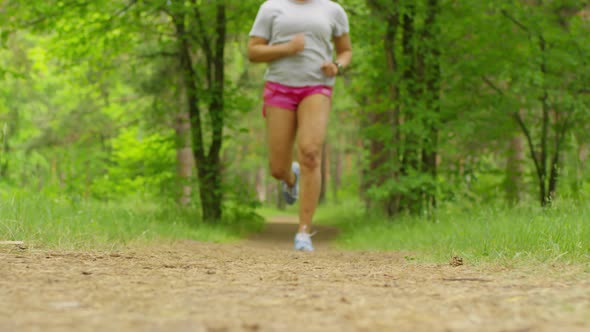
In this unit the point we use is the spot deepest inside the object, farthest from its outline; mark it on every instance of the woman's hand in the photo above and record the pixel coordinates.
(330, 69)
(297, 44)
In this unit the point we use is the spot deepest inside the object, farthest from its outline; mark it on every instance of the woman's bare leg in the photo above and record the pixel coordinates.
(312, 121)
(281, 125)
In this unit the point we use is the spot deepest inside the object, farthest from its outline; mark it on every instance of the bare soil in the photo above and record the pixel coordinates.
(260, 284)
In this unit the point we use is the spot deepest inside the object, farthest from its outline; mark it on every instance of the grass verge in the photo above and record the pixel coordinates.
(524, 233)
(61, 224)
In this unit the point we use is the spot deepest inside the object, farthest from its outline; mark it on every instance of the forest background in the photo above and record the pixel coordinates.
(462, 126)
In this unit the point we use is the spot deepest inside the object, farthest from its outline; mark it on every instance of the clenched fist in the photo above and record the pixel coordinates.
(330, 69)
(297, 44)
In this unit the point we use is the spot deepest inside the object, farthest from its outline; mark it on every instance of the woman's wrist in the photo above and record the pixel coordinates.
(343, 61)
(339, 67)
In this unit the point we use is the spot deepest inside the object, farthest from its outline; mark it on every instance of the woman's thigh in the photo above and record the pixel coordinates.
(281, 126)
(312, 122)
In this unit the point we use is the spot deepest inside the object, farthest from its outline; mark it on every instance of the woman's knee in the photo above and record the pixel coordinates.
(310, 156)
(279, 171)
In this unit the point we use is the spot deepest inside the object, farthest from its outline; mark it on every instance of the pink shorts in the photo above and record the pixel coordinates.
(288, 97)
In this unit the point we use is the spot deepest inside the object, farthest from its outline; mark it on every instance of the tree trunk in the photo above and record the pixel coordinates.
(583, 153)
(208, 163)
(553, 176)
(433, 77)
(336, 171)
(561, 128)
(192, 100)
(7, 131)
(210, 193)
(324, 174)
(394, 201)
(261, 184)
(184, 158)
(413, 64)
(216, 76)
(543, 192)
(4, 153)
(515, 169)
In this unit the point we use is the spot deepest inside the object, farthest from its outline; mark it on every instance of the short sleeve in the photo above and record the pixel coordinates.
(341, 25)
(262, 26)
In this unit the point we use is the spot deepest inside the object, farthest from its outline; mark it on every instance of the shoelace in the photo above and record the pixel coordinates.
(310, 234)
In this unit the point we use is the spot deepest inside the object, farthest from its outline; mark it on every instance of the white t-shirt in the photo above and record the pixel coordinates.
(278, 21)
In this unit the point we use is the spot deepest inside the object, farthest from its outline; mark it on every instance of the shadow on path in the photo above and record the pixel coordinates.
(279, 232)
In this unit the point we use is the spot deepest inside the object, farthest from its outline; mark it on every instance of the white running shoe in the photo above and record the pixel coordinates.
(291, 193)
(303, 241)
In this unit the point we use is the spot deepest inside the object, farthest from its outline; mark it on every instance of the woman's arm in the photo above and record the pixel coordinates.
(343, 50)
(343, 55)
(260, 51)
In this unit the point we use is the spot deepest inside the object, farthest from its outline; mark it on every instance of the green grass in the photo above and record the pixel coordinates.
(60, 223)
(525, 233)
(268, 212)
(492, 233)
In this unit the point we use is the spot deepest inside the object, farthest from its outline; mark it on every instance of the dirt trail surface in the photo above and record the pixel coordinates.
(262, 285)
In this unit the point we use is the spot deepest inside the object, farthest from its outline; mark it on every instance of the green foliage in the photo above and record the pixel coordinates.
(91, 94)
(496, 60)
(139, 163)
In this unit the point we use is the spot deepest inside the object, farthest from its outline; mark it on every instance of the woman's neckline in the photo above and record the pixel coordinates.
(306, 2)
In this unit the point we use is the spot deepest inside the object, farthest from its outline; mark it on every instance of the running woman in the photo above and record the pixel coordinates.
(297, 39)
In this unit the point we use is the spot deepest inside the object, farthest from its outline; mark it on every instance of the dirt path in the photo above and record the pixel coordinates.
(262, 285)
